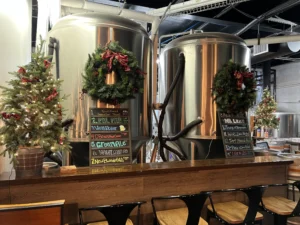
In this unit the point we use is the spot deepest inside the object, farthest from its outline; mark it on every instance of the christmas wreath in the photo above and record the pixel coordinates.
(234, 88)
(113, 58)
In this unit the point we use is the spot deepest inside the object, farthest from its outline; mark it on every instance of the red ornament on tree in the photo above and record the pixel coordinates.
(21, 70)
(47, 64)
(61, 140)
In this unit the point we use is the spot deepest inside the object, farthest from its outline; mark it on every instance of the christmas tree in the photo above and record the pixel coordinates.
(264, 113)
(31, 109)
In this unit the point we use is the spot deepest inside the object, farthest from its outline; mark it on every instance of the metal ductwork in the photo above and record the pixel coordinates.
(275, 51)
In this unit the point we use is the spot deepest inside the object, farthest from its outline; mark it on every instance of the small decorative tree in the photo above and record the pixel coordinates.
(264, 113)
(31, 109)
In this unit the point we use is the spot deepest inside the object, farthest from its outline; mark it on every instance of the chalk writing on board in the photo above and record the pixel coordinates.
(239, 153)
(109, 144)
(96, 136)
(225, 115)
(96, 161)
(109, 128)
(109, 112)
(234, 127)
(233, 121)
(237, 147)
(109, 120)
(237, 140)
(110, 152)
(235, 134)
(110, 136)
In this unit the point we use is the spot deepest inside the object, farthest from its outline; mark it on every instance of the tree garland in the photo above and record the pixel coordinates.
(130, 78)
(234, 88)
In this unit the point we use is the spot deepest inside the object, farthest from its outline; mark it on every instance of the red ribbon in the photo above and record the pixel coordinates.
(26, 80)
(248, 75)
(52, 95)
(8, 116)
(121, 58)
(240, 78)
(140, 72)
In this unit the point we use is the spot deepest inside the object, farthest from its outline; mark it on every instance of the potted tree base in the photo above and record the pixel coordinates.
(32, 114)
(29, 161)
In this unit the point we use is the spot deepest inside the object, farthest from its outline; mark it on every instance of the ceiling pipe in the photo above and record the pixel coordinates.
(278, 9)
(224, 11)
(130, 14)
(272, 40)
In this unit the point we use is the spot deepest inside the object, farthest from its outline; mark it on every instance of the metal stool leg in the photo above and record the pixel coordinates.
(280, 220)
(208, 216)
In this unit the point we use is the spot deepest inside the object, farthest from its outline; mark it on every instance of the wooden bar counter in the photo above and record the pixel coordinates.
(114, 184)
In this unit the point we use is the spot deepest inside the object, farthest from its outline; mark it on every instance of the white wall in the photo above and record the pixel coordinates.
(288, 87)
(15, 42)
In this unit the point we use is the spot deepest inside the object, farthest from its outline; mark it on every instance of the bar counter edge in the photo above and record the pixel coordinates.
(112, 172)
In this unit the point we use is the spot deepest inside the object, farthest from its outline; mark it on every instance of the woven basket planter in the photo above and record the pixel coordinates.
(30, 161)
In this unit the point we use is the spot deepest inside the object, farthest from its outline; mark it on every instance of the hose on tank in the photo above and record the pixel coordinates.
(162, 140)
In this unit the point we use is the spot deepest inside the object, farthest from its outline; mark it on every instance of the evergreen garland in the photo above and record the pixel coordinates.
(234, 88)
(264, 113)
(130, 78)
(31, 109)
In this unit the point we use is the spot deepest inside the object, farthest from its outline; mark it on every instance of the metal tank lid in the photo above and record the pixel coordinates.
(94, 18)
(205, 37)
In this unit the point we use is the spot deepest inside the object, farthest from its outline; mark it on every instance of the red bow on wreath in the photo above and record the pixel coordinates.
(240, 78)
(123, 59)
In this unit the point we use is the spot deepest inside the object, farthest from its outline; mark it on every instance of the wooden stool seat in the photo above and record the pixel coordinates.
(232, 212)
(279, 205)
(175, 217)
(128, 222)
(293, 221)
(46, 213)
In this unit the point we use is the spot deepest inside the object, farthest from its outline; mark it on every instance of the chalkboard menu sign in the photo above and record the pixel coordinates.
(236, 135)
(110, 137)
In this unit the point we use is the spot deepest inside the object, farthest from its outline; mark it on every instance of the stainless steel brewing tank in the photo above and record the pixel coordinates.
(288, 125)
(205, 54)
(79, 35)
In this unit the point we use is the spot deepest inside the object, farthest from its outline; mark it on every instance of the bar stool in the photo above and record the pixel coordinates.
(235, 212)
(189, 215)
(40, 213)
(281, 207)
(115, 214)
